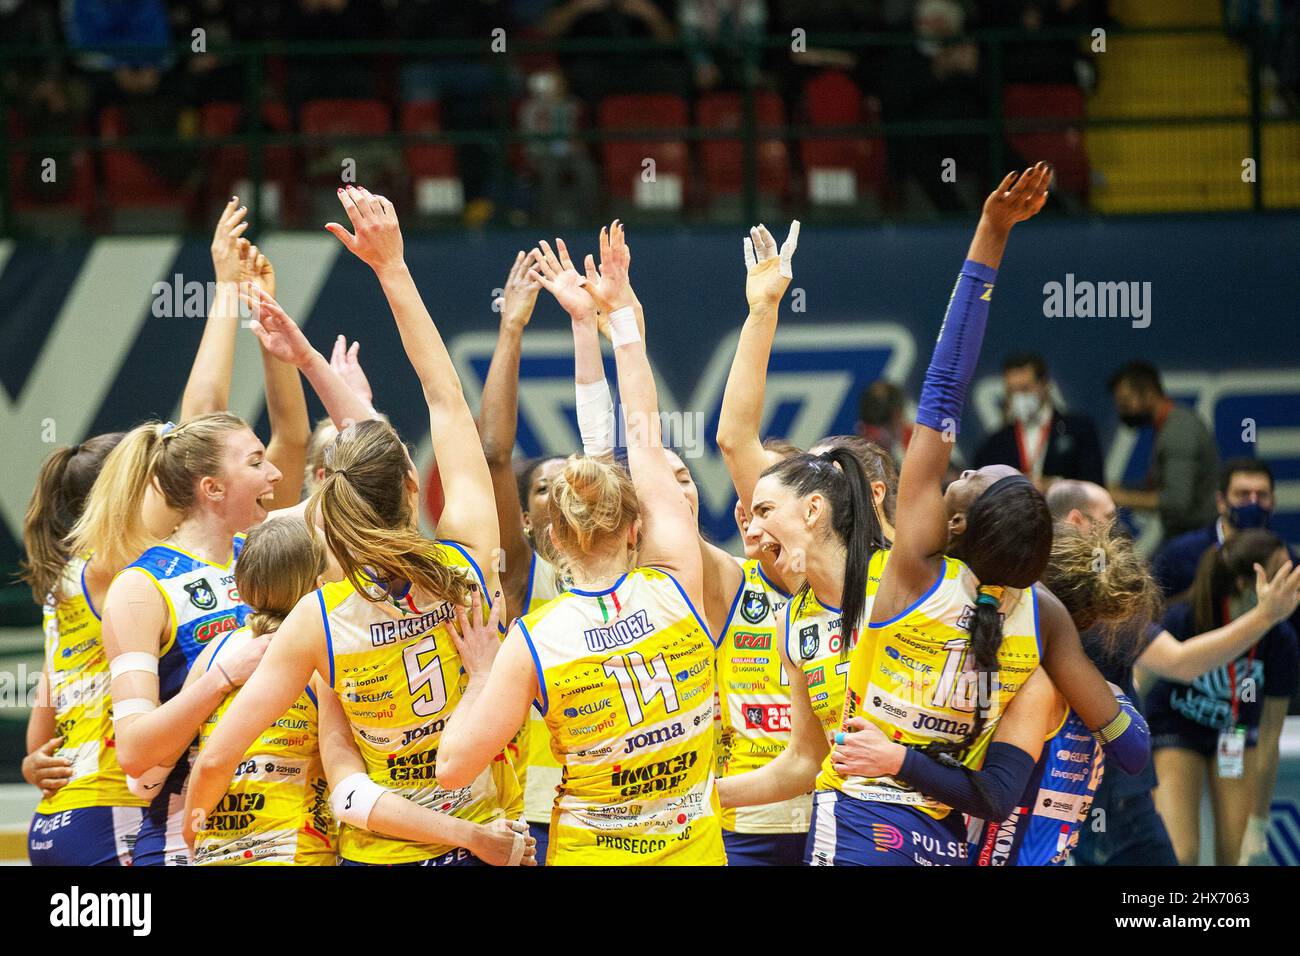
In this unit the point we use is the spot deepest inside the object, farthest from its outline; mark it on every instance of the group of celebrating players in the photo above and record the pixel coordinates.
(892, 674)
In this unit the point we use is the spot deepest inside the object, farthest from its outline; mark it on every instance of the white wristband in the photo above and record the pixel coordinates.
(622, 326)
(133, 661)
(595, 417)
(354, 798)
(133, 706)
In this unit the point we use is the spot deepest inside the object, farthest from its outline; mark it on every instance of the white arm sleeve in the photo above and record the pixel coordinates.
(595, 417)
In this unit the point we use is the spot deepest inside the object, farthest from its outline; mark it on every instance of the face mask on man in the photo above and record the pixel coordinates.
(1137, 419)
(1024, 406)
(1252, 515)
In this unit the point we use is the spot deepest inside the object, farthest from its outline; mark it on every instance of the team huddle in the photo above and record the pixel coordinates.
(254, 656)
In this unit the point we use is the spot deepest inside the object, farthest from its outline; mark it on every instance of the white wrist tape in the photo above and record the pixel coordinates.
(133, 661)
(787, 250)
(595, 417)
(146, 787)
(133, 706)
(622, 326)
(520, 844)
(354, 798)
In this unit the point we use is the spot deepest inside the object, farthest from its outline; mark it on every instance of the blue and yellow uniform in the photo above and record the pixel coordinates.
(1044, 826)
(539, 771)
(396, 671)
(913, 677)
(754, 722)
(276, 809)
(626, 683)
(93, 819)
(202, 604)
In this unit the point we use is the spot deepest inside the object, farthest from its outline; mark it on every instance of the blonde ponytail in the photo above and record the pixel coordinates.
(591, 500)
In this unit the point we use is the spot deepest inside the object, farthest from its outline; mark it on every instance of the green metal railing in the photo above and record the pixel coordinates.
(994, 126)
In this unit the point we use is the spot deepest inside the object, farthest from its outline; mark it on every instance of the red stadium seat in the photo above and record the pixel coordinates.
(435, 178)
(228, 166)
(625, 159)
(724, 159)
(840, 169)
(1061, 145)
(129, 181)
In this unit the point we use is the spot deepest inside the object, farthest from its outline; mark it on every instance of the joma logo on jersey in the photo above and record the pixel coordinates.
(622, 632)
(660, 735)
(748, 640)
(390, 632)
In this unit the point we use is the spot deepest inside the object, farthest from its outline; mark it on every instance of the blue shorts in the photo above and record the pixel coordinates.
(850, 832)
(457, 857)
(541, 832)
(764, 849)
(90, 836)
(161, 841)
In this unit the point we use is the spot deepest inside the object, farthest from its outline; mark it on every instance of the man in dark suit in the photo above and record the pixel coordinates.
(1042, 441)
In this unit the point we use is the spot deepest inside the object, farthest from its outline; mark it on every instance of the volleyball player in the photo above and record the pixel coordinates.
(629, 708)
(383, 637)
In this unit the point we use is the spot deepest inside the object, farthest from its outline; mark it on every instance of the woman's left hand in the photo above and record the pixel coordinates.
(862, 750)
(477, 642)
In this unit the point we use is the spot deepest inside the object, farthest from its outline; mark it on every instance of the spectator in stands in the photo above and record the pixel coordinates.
(1180, 483)
(881, 419)
(1244, 500)
(596, 74)
(937, 78)
(567, 184)
(1044, 442)
(717, 33)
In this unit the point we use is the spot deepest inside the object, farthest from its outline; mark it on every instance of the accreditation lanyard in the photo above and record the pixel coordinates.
(1033, 467)
(1232, 742)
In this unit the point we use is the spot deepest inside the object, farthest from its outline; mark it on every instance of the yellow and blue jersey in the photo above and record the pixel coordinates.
(913, 677)
(77, 666)
(539, 771)
(626, 684)
(202, 603)
(398, 675)
(276, 809)
(753, 718)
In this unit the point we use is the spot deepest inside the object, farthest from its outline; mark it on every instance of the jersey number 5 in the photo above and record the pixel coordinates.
(640, 684)
(428, 690)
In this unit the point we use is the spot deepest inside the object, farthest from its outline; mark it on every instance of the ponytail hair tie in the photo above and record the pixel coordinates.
(167, 429)
(990, 594)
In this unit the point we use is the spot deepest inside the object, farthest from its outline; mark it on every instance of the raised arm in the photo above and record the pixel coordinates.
(921, 526)
(466, 482)
(1184, 661)
(498, 421)
(208, 387)
(281, 337)
(286, 405)
(740, 424)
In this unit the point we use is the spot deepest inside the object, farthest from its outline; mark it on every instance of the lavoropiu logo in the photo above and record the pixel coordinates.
(78, 909)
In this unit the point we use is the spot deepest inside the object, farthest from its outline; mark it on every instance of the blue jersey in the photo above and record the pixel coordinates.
(1044, 826)
(203, 603)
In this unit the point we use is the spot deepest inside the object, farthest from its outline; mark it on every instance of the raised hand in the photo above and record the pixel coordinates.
(556, 274)
(477, 641)
(225, 241)
(255, 269)
(344, 360)
(377, 237)
(611, 288)
(1278, 598)
(278, 333)
(768, 271)
(519, 295)
(1018, 196)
